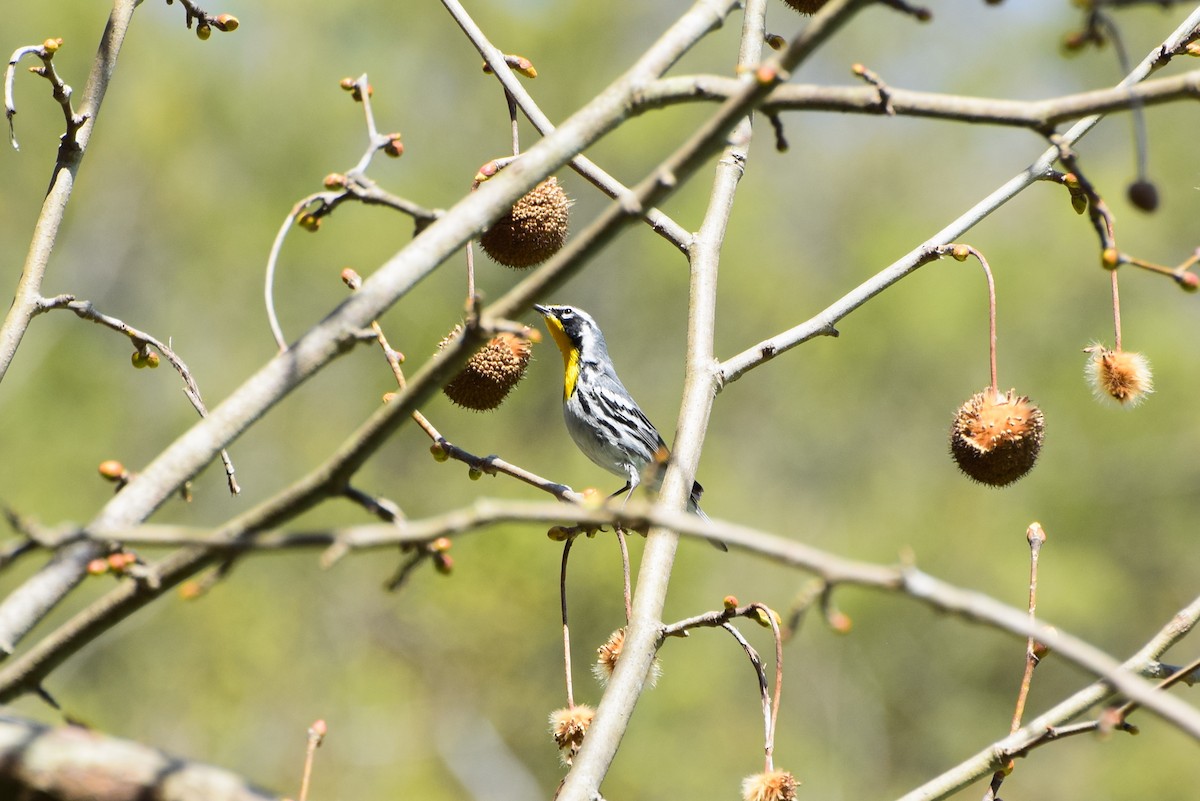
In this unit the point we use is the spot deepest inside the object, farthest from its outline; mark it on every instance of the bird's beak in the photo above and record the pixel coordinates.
(542, 310)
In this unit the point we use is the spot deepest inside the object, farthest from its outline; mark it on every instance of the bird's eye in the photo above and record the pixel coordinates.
(567, 313)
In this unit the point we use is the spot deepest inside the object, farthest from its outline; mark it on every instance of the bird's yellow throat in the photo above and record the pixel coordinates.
(570, 355)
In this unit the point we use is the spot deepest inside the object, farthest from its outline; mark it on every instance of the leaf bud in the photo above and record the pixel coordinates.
(112, 470)
(1189, 282)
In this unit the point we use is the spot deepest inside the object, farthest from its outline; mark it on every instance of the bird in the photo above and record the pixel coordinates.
(602, 418)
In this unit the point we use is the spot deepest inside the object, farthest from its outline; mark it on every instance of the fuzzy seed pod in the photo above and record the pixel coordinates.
(608, 654)
(806, 6)
(996, 438)
(533, 230)
(1124, 376)
(568, 726)
(491, 373)
(777, 785)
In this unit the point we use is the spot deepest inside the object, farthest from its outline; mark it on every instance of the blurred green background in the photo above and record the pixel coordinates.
(442, 690)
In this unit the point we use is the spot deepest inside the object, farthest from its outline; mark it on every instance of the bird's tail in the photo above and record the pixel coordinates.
(694, 507)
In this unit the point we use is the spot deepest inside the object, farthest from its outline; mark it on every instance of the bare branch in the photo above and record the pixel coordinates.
(497, 63)
(28, 294)
(823, 323)
(1037, 115)
(65, 764)
(86, 311)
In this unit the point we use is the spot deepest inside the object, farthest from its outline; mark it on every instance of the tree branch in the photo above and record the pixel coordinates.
(71, 763)
(62, 181)
(824, 322)
(1039, 115)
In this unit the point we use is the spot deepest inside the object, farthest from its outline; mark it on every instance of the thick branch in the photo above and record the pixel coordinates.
(614, 711)
(73, 764)
(339, 330)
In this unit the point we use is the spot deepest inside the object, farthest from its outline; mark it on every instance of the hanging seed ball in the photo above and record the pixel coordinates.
(568, 727)
(775, 785)
(806, 6)
(995, 438)
(491, 373)
(1144, 195)
(1122, 375)
(533, 230)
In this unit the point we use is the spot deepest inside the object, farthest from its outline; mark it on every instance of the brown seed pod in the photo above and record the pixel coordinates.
(776, 785)
(996, 438)
(1122, 375)
(491, 373)
(568, 727)
(806, 6)
(1144, 195)
(533, 230)
(608, 654)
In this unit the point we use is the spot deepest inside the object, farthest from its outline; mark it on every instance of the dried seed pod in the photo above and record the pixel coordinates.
(491, 373)
(775, 785)
(806, 6)
(1144, 195)
(996, 438)
(608, 654)
(568, 727)
(533, 230)
(1122, 375)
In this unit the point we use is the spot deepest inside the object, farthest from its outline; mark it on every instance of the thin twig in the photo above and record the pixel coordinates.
(1036, 537)
(59, 89)
(353, 185)
(763, 689)
(659, 222)
(86, 311)
(1116, 309)
(316, 736)
(566, 625)
(626, 585)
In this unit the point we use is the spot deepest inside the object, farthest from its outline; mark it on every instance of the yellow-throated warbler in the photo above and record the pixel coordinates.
(602, 417)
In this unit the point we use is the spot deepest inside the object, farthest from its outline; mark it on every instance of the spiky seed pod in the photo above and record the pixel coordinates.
(1144, 195)
(608, 654)
(775, 785)
(996, 438)
(806, 6)
(533, 230)
(1122, 375)
(568, 727)
(491, 373)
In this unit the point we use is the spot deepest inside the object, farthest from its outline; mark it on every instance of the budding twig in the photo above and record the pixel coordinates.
(141, 341)
(60, 90)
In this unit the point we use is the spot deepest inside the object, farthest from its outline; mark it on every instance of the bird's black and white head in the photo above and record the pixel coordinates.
(575, 332)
